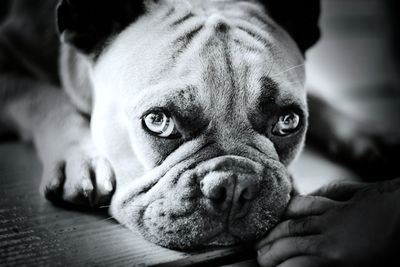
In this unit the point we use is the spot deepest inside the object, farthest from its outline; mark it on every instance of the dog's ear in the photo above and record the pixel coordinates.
(298, 18)
(87, 24)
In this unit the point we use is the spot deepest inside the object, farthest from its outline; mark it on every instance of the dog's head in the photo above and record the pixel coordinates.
(200, 107)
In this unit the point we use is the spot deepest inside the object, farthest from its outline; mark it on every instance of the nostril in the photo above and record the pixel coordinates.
(244, 197)
(246, 194)
(217, 187)
(246, 191)
(220, 195)
(202, 185)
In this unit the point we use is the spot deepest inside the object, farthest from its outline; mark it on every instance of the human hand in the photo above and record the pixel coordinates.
(344, 224)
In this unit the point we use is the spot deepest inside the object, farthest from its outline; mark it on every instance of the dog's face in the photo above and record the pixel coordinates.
(200, 108)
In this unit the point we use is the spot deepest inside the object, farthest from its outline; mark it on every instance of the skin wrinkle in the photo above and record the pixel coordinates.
(214, 78)
(183, 19)
(184, 42)
(189, 167)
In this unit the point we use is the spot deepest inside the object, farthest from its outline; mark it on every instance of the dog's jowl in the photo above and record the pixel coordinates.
(183, 115)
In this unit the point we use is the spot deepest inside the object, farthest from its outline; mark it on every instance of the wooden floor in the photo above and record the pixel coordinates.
(350, 64)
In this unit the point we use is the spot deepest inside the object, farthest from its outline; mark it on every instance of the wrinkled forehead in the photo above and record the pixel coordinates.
(223, 50)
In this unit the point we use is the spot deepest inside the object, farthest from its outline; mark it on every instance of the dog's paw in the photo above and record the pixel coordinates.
(79, 177)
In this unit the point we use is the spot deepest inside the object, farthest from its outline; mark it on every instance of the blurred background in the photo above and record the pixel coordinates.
(355, 66)
(357, 58)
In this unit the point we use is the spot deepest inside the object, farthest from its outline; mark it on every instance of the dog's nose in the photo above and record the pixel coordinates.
(229, 192)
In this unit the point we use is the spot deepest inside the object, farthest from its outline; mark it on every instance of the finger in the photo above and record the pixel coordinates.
(307, 261)
(341, 191)
(299, 227)
(301, 206)
(286, 248)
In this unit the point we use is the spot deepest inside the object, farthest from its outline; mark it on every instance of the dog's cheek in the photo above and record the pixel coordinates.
(111, 138)
(149, 149)
(169, 212)
(290, 148)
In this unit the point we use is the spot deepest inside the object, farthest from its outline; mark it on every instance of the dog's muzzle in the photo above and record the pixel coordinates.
(220, 201)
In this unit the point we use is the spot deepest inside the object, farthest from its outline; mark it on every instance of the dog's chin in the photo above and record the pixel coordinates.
(195, 228)
(171, 210)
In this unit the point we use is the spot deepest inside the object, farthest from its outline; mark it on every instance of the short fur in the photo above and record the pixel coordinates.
(225, 70)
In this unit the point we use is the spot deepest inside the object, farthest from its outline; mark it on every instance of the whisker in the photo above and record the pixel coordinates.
(272, 66)
(109, 218)
(104, 207)
(293, 83)
(118, 225)
(289, 69)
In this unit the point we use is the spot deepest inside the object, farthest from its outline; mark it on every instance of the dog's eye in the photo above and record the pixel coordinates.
(160, 124)
(286, 124)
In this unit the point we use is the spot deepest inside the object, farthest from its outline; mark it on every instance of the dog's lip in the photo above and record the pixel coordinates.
(192, 167)
(224, 237)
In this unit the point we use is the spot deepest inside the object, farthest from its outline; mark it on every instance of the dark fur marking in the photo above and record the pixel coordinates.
(175, 180)
(184, 41)
(170, 12)
(265, 105)
(140, 220)
(247, 47)
(88, 24)
(182, 20)
(269, 93)
(256, 36)
(269, 87)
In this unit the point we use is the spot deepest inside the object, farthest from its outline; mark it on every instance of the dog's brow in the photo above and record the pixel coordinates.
(184, 95)
(271, 97)
(269, 90)
(169, 98)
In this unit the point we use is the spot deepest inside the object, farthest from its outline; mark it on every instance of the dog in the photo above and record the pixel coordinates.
(181, 115)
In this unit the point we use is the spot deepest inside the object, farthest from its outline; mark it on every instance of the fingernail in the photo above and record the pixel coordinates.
(260, 252)
(264, 249)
